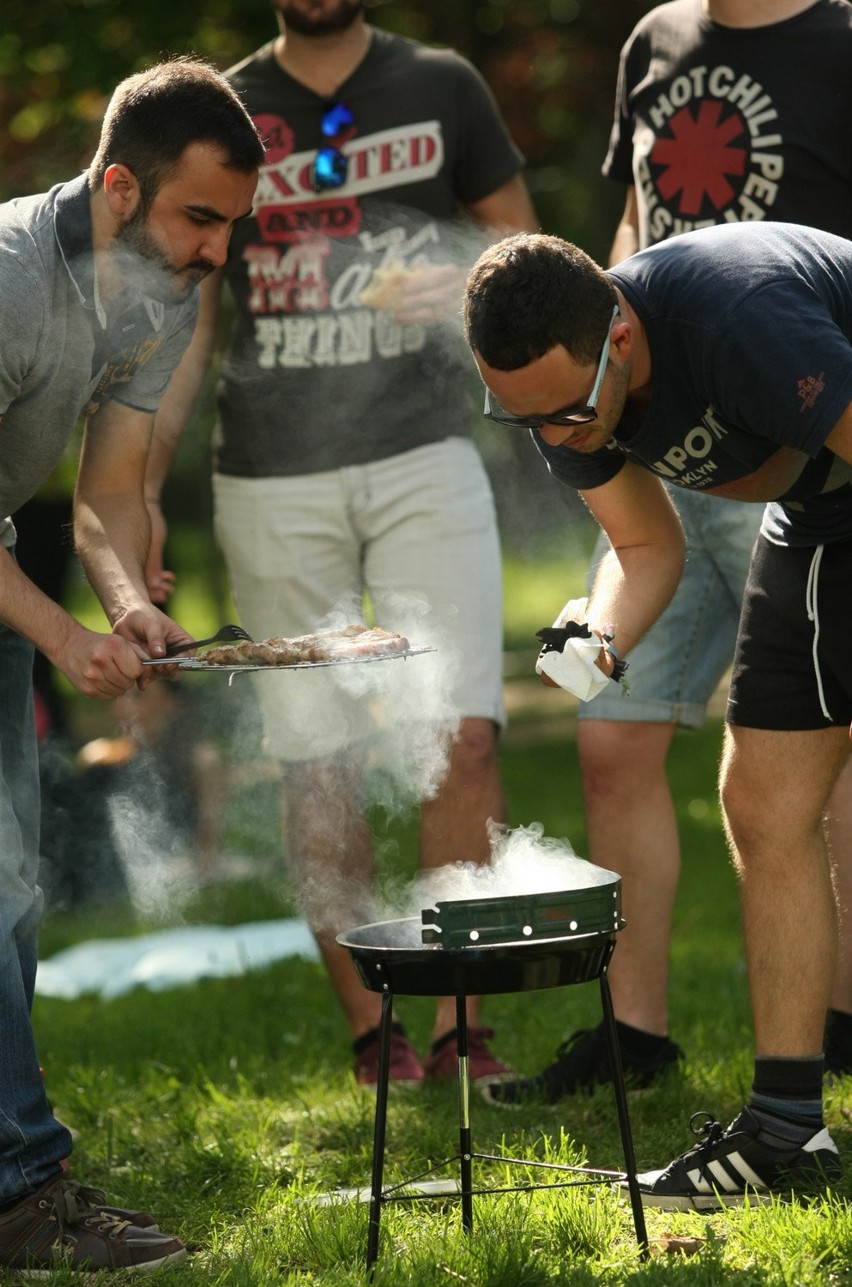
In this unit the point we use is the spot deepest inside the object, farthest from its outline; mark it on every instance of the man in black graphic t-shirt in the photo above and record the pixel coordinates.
(726, 111)
(344, 462)
(724, 364)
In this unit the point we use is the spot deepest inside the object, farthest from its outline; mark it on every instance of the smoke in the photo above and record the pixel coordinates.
(397, 719)
(414, 712)
(160, 875)
(523, 861)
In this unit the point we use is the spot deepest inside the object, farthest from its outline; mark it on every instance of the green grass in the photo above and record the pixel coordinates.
(228, 1106)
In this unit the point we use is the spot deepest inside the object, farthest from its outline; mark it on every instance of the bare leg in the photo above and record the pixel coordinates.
(631, 827)
(839, 835)
(330, 855)
(774, 787)
(453, 825)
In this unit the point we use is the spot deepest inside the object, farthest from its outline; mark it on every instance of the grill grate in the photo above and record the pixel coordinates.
(518, 918)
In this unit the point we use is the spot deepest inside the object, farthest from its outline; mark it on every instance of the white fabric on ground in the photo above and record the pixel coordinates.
(170, 958)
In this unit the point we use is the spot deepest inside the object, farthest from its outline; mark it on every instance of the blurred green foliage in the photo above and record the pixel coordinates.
(551, 63)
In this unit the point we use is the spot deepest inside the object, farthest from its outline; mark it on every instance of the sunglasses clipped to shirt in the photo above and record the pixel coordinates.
(570, 415)
(331, 166)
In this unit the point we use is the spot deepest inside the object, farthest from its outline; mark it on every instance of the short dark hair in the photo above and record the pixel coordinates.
(155, 115)
(530, 292)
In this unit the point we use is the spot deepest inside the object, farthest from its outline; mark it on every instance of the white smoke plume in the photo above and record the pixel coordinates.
(523, 861)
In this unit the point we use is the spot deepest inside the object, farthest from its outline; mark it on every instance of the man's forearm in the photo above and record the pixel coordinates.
(632, 589)
(626, 240)
(31, 613)
(112, 536)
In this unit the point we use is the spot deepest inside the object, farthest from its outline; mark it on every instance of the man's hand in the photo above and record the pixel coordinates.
(433, 293)
(605, 662)
(150, 632)
(572, 651)
(102, 666)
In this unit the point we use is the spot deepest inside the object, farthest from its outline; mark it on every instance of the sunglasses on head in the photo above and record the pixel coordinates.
(330, 166)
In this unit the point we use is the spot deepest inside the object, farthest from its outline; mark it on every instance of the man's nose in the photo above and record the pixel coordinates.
(553, 435)
(215, 245)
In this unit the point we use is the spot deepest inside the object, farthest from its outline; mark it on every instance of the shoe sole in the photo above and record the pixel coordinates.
(174, 1259)
(717, 1202)
(703, 1203)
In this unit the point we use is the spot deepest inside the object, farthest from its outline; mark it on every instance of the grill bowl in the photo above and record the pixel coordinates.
(390, 956)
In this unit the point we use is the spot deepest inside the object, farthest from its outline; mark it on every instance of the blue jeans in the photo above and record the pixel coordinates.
(676, 668)
(32, 1142)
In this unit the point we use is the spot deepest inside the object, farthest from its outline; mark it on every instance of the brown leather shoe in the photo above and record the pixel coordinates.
(141, 1219)
(64, 1225)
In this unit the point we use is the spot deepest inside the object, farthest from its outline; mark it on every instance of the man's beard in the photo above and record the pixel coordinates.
(339, 19)
(145, 266)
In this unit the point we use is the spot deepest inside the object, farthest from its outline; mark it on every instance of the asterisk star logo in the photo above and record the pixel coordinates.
(698, 157)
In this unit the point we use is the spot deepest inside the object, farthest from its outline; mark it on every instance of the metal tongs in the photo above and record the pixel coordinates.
(222, 635)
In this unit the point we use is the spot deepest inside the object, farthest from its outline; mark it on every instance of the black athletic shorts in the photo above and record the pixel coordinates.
(793, 661)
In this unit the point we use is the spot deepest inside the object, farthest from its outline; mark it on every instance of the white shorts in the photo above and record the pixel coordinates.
(417, 534)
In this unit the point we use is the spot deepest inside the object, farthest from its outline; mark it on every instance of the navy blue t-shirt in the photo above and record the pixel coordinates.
(749, 328)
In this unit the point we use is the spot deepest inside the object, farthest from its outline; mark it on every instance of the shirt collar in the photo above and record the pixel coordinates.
(73, 230)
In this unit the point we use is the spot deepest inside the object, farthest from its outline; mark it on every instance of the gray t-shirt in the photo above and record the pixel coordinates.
(57, 361)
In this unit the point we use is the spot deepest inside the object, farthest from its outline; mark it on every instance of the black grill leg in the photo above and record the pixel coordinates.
(379, 1130)
(465, 1154)
(623, 1116)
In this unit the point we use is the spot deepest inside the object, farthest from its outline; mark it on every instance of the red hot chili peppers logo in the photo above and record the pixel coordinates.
(709, 151)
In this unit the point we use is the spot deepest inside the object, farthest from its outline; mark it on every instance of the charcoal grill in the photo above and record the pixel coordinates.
(486, 946)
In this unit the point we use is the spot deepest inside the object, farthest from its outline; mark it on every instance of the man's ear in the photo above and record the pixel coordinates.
(122, 190)
(621, 336)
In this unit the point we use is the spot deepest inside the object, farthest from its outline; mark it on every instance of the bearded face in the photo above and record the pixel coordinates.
(146, 264)
(319, 17)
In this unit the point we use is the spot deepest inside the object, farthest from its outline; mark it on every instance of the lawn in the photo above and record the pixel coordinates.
(228, 1107)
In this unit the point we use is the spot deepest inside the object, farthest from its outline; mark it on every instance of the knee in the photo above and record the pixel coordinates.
(758, 824)
(621, 760)
(474, 753)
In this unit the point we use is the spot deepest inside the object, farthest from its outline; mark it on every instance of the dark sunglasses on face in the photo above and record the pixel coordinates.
(330, 166)
(570, 415)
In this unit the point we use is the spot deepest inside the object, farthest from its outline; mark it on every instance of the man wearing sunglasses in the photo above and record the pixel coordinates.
(724, 110)
(705, 388)
(344, 461)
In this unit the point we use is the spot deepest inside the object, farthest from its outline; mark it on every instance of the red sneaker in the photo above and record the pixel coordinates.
(442, 1060)
(405, 1068)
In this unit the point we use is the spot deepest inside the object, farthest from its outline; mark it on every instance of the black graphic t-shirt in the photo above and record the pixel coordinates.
(314, 379)
(750, 334)
(720, 124)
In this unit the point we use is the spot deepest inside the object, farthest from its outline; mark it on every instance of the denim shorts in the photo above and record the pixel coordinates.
(792, 667)
(675, 669)
(416, 534)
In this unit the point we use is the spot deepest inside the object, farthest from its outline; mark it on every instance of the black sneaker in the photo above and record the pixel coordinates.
(728, 1168)
(582, 1063)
